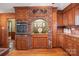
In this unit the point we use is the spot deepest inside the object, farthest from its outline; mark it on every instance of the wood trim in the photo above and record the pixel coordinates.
(72, 5)
(35, 7)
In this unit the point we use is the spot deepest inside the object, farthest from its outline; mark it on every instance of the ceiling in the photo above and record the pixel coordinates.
(8, 7)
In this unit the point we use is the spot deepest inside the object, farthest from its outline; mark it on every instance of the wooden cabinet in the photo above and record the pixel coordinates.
(77, 49)
(69, 17)
(65, 19)
(77, 15)
(21, 42)
(60, 40)
(69, 44)
(59, 21)
(59, 18)
(39, 41)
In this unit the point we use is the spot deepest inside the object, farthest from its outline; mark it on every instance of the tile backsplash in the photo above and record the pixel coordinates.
(67, 30)
(75, 31)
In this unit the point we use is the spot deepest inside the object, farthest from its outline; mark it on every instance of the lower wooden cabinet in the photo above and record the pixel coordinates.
(21, 42)
(77, 50)
(40, 41)
(60, 40)
(69, 44)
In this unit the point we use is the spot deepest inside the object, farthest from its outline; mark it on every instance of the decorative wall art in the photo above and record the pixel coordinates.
(39, 11)
(39, 26)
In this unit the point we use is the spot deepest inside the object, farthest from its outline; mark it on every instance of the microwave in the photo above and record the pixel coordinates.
(21, 27)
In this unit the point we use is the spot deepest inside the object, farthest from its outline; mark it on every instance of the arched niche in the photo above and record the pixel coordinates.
(39, 26)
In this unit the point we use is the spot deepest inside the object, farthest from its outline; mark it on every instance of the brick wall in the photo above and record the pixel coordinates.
(26, 14)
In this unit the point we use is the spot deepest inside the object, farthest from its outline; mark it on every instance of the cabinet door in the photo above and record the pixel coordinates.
(59, 19)
(70, 46)
(65, 44)
(60, 40)
(21, 42)
(18, 43)
(77, 16)
(77, 51)
(24, 41)
(65, 19)
(39, 41)
(76, 46)
(71, 17)
(73, 49)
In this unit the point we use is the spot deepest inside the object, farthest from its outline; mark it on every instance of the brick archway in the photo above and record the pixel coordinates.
(47, 37)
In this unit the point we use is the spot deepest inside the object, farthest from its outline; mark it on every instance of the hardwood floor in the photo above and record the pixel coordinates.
(39, 52)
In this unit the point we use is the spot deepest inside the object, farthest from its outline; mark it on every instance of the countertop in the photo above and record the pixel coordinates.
(73, 37)
(70, 34)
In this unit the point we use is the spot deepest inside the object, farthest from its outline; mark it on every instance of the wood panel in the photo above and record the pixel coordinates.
(21, 42)
(65, 19)
(71, 17)
(60, 40)
(40, 41)
(21, 13)
(4, 27)
(0, 33)
(77, 49)
(76, 15)
(59, 20)
(54, 28)
(72, 5)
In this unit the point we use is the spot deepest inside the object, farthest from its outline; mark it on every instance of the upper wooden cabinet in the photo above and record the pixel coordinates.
(70, 15)
(65, 18)
(59, 18)
(77, 15)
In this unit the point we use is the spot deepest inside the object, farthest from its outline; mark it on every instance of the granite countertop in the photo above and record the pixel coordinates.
(3, 50)
(70, 34)
(73, 37)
